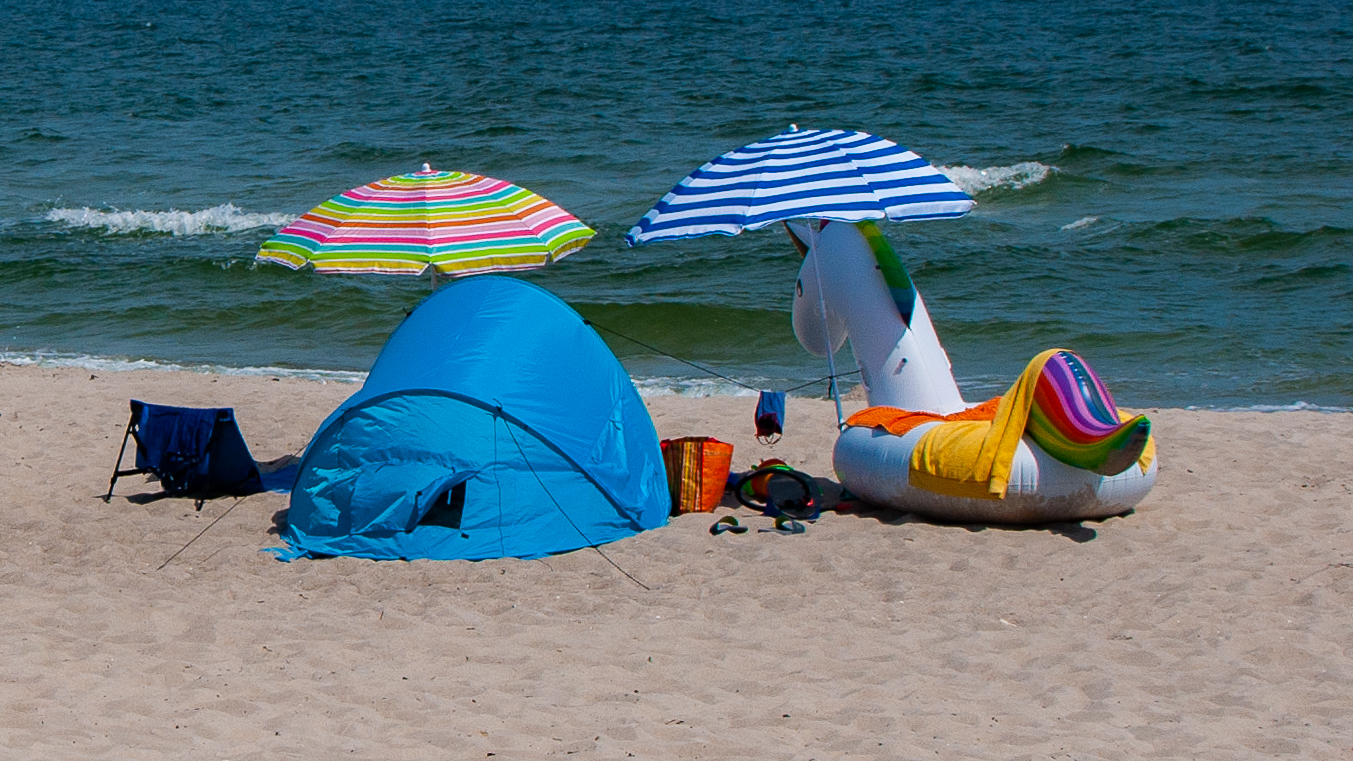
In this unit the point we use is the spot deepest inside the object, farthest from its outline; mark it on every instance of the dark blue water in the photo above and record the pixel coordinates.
(1167, 190)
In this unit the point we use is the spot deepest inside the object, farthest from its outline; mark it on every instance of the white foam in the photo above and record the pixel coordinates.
(117, 364)
(1293, 407)
(1082, 222)
(660, 386)
(226, 218)
(695, 387)
(666, 386)
(703, 387)
(973, 181)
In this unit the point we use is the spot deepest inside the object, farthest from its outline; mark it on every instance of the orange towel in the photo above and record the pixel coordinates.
(898, 421)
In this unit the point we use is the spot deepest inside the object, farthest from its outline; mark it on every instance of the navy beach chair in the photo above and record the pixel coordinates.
(194, 452)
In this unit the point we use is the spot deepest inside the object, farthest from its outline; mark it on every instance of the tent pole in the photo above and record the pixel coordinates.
(826, 329)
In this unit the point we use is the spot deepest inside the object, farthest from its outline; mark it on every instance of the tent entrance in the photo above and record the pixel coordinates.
(447, 509)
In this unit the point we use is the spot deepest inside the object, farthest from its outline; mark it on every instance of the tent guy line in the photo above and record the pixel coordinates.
(203, 531)
(704, 369)
(562, 512)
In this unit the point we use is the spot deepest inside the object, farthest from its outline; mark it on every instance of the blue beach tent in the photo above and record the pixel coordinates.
(494, 423)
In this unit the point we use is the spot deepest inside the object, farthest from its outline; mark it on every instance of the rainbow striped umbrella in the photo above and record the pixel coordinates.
(454, 223)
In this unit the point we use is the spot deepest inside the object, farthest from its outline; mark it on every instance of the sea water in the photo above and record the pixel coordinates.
(1165, 188)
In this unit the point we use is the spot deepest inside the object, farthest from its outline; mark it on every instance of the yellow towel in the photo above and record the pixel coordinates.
(1148, 452)
(944, 459)
(973, 459)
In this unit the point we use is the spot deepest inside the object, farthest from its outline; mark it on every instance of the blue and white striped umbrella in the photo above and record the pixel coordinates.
(820, 174)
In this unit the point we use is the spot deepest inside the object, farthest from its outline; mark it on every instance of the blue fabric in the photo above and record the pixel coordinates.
(495, 388)
(770, 414)
(281, 479)
(193, 450)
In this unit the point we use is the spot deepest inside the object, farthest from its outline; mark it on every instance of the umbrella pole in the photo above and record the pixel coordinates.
(826, 329)
(433, 269)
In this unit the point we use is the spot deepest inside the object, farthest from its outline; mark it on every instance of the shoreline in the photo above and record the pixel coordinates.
(1209, 623)
(648, 387)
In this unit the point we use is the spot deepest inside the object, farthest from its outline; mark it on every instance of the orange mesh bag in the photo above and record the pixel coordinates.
(697, 472)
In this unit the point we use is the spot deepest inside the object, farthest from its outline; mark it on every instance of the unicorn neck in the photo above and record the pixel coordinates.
(870, 298)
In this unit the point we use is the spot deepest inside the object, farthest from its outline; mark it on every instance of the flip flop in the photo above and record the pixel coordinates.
(727, 523)
(784, 525)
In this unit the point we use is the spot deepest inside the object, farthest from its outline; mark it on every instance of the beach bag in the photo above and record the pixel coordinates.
(697, 472)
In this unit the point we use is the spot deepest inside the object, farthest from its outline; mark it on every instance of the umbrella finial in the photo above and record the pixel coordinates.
(427, 167)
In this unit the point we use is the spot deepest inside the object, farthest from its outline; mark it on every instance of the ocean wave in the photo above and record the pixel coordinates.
(1078, 224)
(117, 364)
(1071, 152)
(1014, 177)
(1293, 407)
(40, 136)
(1301, 278)
(976, 386)
(365, 152)
(226, 218)
(695, 387)
(655, 386)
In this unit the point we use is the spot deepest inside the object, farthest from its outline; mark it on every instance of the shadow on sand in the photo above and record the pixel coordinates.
(1077, 532)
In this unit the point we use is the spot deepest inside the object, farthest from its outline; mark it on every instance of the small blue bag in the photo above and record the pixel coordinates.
(770, 416)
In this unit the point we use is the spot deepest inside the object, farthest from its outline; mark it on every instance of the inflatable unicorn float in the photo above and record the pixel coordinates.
(1053, 448)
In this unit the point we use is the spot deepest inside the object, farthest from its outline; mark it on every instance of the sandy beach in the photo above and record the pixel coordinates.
(1211, 623)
